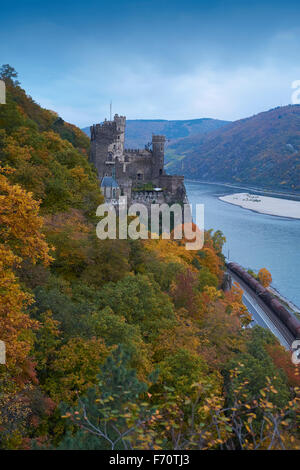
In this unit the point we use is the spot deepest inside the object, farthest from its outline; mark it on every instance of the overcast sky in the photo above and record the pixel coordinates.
(158, 59)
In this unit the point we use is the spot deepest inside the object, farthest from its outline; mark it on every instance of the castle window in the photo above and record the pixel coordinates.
(140, 176)
(160, 171)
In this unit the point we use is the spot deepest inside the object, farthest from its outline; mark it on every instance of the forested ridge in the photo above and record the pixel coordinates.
(139, 131)
(119, 343)
(262, 150)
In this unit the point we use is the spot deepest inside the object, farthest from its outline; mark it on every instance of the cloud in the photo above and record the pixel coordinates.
(195, 77)
(141, 90)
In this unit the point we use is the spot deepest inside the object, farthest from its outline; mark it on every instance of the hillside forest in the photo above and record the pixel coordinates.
(119, 344)
(260, 151)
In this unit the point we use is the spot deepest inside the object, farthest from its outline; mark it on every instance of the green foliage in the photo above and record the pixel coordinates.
(108, 417)
(141, 302)
(144, 187)
(164, 273)
(256, 366)
(206, 278)
(262, 150)
(115, 330)
(72, 315)
(218, 240)
(183, 369)
(8, 74)
(252, 273)
(128, 307)
(49, 160)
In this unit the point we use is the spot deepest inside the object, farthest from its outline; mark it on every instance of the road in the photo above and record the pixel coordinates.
(262, 315)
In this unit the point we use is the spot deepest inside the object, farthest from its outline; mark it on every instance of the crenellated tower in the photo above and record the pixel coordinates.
(137, 174)
(107, 144)
(158, 151)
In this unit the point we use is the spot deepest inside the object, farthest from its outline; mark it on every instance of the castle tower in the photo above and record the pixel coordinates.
(158, 149)
(116, 148)
(120, 128)
(107, 144)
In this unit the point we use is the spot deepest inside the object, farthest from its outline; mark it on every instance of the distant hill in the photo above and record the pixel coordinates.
(263, 150)
(139, 131)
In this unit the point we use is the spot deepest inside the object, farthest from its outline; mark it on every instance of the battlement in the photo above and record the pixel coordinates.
(138, 152)
(132, 150)
(120, 120)
(132, 166)
(158, 139)
(117, 126)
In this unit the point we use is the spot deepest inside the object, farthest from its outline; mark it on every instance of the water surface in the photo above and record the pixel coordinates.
(253, 240)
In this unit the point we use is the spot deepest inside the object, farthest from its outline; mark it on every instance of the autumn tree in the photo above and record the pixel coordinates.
(8, 74)
(20, 238)
(265, 277)
(114, 414)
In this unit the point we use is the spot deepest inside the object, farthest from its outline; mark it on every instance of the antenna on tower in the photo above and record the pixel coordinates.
(110, 110)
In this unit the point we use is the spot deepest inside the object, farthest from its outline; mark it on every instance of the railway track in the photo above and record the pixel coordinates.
(268, 317)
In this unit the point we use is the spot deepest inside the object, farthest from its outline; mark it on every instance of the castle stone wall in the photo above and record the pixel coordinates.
(133, 167)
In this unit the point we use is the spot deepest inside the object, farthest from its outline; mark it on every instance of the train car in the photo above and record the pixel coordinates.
(247, 277)
(293, 325)
(267, 297)
(236, 268)
(291, 322)
(280, 311)
(261, 290)
(254, 284)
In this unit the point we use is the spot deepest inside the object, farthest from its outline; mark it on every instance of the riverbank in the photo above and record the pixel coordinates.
(265, 204)
(251, 238)
(255, 189)
(290, 305)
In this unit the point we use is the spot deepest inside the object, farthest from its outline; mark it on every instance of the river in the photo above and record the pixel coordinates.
(253, 240)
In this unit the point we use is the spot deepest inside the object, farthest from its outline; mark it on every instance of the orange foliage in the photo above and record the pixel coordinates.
(282, 360)
(20, 237)
(185, 294)
(264, 277)
(233, 299)
(170, 251)
(212, 261)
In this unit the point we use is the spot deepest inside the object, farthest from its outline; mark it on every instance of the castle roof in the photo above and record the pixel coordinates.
(109, 181)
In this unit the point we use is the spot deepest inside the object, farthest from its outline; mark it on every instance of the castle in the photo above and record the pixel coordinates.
(137, 174)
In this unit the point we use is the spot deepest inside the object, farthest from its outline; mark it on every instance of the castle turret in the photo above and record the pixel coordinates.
(123, 171)
(120, 129)
(158, 149)
(107, 144)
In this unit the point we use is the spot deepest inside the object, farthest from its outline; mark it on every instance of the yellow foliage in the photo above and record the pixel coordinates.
(265, 277)
(20, 238)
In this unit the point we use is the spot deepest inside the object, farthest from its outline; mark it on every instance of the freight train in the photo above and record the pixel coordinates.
(287, 318)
